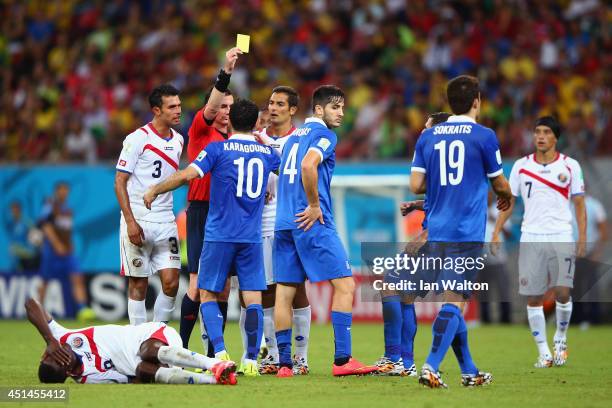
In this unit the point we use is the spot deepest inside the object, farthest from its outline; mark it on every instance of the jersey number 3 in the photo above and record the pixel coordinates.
(252, 163)
(456, 160)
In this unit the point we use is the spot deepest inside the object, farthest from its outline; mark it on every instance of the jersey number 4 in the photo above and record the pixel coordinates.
(290, 168)
(456, 160)
(240, 187)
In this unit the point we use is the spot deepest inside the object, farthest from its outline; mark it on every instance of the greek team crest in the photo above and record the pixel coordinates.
(77, 342)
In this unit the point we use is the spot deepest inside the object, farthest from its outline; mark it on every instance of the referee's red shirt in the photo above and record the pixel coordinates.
(200, 135)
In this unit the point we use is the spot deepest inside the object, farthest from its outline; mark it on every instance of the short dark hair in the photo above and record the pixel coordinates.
(51, 374)
(292, 96)
(155, 98)
(551, 122)
(326, 94)
(439, 117)
(207, 96)
(461, 92)
(243, 115)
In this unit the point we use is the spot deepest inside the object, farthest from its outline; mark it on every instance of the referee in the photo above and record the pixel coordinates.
(210, 124)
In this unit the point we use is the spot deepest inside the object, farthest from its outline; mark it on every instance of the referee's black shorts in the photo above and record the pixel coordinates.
(197, 212)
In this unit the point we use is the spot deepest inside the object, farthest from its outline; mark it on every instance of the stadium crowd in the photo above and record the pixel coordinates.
(75, 74)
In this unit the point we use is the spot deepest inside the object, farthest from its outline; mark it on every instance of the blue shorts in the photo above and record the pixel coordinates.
(57, 267)
(461, 265)
(197, 212)
(219, 258)
(316, 255)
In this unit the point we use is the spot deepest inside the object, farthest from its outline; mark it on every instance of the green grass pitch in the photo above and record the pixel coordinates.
(507, 351)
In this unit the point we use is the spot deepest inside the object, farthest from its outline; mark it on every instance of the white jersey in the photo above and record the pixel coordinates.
(110, 353)
(150, 159)
(269, 211)
(546, 190)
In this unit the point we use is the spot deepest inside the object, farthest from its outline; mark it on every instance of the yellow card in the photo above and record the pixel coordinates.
(242, 42)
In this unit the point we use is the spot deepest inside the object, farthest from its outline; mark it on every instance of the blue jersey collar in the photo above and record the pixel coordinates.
(240, 136)
(460, 118)
(312, 119)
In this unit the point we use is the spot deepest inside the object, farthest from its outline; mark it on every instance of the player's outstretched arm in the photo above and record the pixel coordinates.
(171, 183)
(409, 206)
(40, 319)
(216, 96)
(581, 218)
(310, 180)
(418, 182)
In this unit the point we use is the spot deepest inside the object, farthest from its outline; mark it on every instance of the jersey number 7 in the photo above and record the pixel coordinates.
(456, 161)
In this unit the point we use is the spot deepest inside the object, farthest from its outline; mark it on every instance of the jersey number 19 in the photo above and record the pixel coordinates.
(456, 160)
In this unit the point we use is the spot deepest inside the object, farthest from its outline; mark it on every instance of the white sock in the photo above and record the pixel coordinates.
(137, 311)
(537, 324)
(176, 375)
(301, 322)
(164, 306)
(203, 333)
(270, 333)
(243, 333)
(564, 314)
(178, 356)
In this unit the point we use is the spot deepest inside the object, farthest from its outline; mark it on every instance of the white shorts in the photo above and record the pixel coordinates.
(127, 355)
(546, 261)
(267, 244)
(160, 249)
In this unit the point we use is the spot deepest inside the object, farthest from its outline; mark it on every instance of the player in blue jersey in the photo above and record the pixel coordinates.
(306, 244)
(453, 162)
(239, 169)
(399, 316)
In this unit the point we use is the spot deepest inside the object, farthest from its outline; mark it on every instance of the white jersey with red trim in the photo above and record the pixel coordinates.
(111, 352)
(269, 211)
(546, 190)
(150, 159)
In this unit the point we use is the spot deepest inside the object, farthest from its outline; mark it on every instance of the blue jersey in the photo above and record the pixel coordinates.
(458, 157)
(239, 170)
(313, 135)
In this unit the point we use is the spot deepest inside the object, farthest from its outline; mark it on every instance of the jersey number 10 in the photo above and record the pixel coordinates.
(456, 160)
(252, 163)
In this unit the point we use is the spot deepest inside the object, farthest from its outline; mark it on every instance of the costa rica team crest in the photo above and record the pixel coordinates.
(77, 342)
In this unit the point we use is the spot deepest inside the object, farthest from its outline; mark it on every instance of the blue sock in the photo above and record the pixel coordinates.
(409, 330)
(444, 329)
(392, 316)
(80, 306)
(213, 321)
(283, 341)
(462, 349)
(253, 325)
(342, 334)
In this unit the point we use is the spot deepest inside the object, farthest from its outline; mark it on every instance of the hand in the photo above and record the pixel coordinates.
(503, 203)
(135, 233)
(231, 56)
(149, 197)
(408, 207)
(580, 249)
(413, 247)
(308, 217)
(269, 197)
(57, 352)
(495, 244)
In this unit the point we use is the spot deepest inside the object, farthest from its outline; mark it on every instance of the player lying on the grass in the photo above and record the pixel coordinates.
(400, 323)
(239, 169)
(147, 353)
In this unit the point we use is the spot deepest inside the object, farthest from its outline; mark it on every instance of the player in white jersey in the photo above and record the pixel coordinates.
(548, 183)
(282, 106)
(150, 352)
(148, 239)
